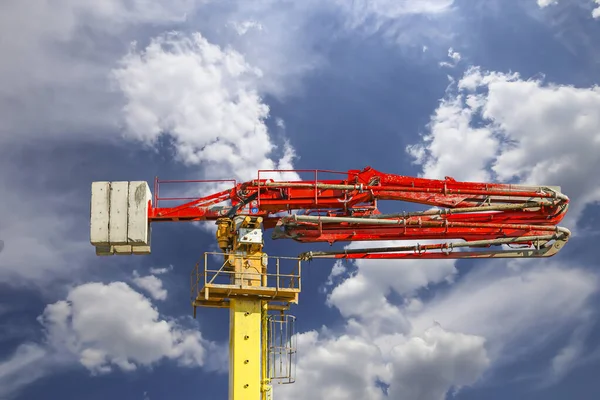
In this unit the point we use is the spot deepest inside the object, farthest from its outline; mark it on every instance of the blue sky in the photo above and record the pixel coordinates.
(122, 90)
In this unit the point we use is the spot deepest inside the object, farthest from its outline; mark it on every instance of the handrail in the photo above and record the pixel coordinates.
(157, 182)
(315, 182)
(288, 280)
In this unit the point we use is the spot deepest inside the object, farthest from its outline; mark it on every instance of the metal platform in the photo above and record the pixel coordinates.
(212, 287)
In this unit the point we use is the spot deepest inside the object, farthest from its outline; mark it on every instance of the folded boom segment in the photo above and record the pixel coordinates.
(466, 219)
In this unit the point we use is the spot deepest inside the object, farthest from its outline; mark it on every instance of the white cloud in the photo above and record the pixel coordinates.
(25, 365)
(150, 284)
(205, 98)
(546, 3)
(103, 328)
(40, 245)
(338, 269)
(364, 294)
(361, 11)
(274, 37)
(243, 27)
(596, 11)
(285, 43)
(424, 348)
(450, 134)
(54, 73)
(508, 128)
(399, 22)
(426, 367)
(280, 123)
(414, 367)
(328, 368)
(506, 305)
(452, 55)
(405, 277)
(111, 325)
(160, 271)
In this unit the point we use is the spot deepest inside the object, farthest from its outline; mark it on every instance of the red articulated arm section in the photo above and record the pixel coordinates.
(463, 214)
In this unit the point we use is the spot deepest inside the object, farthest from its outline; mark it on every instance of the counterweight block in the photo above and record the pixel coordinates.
(119, 217)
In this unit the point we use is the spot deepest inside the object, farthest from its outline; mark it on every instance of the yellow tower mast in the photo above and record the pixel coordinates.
(245, 286)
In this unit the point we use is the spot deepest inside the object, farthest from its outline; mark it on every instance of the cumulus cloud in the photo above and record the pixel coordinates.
(455, 58)
(27, 364)
(363, 294)
(422, 348)
(328, 368)
(395, 358)
(595, 11)
(286, 44)
(409, 367)
(205, 98)
(150, 284)
(573, 354)
(508, 128)
(404, 277)
(243, 27)
(160, 271)
(54, 73)
(427, 366)
(451, 133)
(56, 87)
(361, 11)
(107, 326)
(36, 249)
(480, 305)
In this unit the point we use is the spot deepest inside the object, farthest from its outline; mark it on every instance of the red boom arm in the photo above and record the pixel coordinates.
(480, 214)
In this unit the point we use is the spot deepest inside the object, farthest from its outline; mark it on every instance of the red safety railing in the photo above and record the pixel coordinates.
(313, 172)
(158, 182)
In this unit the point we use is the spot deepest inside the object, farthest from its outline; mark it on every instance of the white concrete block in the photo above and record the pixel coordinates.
(138, 228)
(139, 250)
(104, 250)
(119, 217)
(100, 213)
(119, 197)
(122, 249)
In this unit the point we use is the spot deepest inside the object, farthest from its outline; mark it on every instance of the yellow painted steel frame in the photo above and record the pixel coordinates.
(245, 349)
(248, 312)
(265, 381)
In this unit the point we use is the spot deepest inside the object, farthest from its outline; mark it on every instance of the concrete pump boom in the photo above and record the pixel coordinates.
(464, 220)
